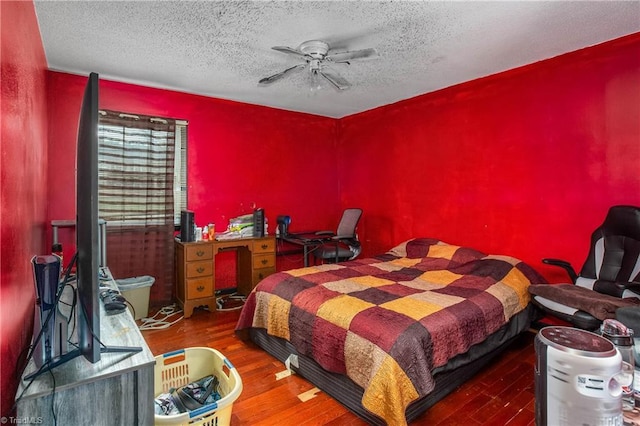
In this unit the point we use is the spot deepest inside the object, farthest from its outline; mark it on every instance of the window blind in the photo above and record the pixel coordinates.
(136, 184)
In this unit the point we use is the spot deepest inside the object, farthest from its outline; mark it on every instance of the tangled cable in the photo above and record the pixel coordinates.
(220, 302)
(154, 323)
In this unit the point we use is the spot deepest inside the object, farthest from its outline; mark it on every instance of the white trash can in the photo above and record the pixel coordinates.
(136, 290)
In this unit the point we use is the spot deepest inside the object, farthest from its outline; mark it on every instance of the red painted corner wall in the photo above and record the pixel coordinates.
(526, 162)
(23, 167)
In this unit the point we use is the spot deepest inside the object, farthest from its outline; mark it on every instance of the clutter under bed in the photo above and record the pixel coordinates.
(389, 335)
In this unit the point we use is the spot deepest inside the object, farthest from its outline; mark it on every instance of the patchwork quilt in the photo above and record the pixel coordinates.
(387, 321)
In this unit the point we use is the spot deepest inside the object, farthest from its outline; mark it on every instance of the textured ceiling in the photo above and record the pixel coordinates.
(222, 48)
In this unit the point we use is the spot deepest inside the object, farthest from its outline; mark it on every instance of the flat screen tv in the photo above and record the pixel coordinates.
(87, 258)
(87, 274)
(87, 230)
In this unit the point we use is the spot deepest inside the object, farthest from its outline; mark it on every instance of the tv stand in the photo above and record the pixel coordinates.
(76, 353)
(118, 389)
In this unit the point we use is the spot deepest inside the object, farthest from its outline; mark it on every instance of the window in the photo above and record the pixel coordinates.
(142, 189)
(140, 158)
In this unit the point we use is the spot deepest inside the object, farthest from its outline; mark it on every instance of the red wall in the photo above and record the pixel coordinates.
(23, 167)
(240, 156)
(525, 162)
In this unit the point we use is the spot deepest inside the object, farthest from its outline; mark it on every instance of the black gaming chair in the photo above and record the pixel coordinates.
(612, 266)
(342, 245)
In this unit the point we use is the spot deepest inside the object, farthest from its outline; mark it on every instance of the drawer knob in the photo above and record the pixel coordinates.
(264, 246)
(200, 288)
(199, 253)
(260, 275)
(264, 261)
(200, 270)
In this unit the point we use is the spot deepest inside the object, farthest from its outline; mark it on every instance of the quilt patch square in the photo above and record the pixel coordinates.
(442, 251)
(404, 274)
(412, 307)
(278, 308)
(289, 288)
(319, 277)
(417, 362)
(441, 276)
(367, 269)
(493, 268)
(301, 324)
(312, 298)
(380, 325)
(341, 309)
(375, 296)
(328, 345)
(401, 289)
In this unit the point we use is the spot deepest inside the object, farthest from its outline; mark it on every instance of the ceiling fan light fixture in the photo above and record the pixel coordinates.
(316, 80)
(315, 48)
(316, 55)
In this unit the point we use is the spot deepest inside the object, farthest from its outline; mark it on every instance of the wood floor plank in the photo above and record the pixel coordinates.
(501, 393)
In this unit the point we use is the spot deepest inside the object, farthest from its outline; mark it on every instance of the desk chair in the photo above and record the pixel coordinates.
(342, 245)
(610, 277)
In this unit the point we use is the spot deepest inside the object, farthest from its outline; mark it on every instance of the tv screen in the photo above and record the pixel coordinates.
(88, 314)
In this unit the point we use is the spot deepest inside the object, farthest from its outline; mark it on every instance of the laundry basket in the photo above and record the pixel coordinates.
(179, 368)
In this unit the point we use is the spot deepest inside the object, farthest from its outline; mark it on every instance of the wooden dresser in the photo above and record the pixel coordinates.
(195, 268)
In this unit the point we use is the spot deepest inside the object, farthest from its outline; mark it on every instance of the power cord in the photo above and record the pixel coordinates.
(35, 340)
(154, 323)
(233, 296)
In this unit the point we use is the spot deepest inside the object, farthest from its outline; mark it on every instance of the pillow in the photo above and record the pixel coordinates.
(415, 248)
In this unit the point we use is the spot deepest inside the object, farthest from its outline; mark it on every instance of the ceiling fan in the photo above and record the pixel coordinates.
(318, 58)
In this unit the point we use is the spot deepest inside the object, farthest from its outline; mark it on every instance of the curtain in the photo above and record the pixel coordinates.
(136, 198)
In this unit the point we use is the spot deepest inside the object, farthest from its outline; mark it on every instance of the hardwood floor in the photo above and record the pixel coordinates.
(502, 394)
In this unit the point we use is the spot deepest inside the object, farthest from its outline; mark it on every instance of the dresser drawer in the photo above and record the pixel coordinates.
(267, 245)
(199, 287)
(199, 269)
(260, 274)
(201, 251)
(264, 261)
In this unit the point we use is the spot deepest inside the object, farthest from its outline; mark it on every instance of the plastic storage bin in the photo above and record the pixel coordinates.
(179, 368)
(136, 290)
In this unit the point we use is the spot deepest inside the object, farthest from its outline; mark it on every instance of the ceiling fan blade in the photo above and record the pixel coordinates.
(289, 51)
(334, 78)
(355, 54)
(278, 76)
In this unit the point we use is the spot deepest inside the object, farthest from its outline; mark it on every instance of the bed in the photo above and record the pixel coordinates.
(388, 336)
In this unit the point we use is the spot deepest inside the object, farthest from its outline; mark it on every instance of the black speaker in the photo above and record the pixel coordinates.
(258, 223)
(50, 325)
(187, 224)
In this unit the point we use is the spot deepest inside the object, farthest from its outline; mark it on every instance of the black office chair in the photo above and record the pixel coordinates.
(342, 245)
(612, 269)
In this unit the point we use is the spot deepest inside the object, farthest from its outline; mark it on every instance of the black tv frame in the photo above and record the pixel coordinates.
(87, 277)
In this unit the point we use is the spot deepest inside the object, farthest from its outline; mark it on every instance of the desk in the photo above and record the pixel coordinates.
(117, 390)
(309, 242)
(196, 274)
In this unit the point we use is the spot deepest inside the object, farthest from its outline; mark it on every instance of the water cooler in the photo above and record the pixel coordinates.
(575, 378)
